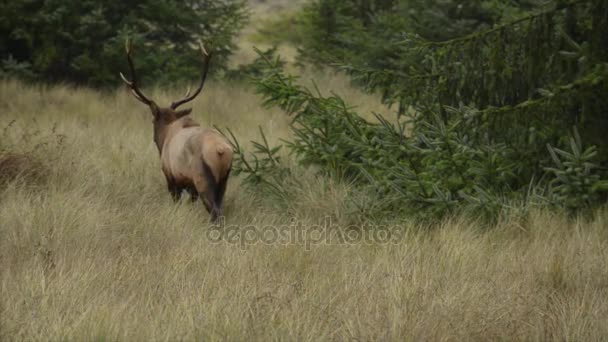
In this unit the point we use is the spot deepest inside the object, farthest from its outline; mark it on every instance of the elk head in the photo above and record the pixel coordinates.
(164, 116)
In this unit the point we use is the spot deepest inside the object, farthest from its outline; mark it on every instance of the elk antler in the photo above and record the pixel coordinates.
(133, 84)
(187, 98)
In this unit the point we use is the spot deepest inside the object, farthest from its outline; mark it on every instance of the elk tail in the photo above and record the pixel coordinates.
(221, 150)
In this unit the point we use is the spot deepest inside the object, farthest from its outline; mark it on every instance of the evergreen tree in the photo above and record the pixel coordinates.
(515, 113)
(82, 41)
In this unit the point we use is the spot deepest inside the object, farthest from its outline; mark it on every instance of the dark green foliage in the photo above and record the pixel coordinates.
(576, 183)
(437, 169)
(83, 41)
(482, 110)
(13, 69)
(364, 32)
(529, 75)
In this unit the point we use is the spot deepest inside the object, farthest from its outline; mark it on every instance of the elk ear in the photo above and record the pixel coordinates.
(183, 112)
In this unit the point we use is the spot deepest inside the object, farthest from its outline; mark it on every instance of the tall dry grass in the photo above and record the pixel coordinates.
(97, 250)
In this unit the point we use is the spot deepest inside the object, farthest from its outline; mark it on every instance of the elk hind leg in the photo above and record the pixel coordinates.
(221, 190)
(173, 188)
(205, 192)
(207, 188)
(194, 195)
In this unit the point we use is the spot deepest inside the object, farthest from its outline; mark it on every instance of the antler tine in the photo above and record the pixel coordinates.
(188, 98)
(128, 46)
(137, 96)
(202, 47)
(128, 51)
(188, 91)
(133, 84)
(129, 83)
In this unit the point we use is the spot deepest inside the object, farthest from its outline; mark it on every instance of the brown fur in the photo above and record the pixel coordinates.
(192, 158)
(184, 148)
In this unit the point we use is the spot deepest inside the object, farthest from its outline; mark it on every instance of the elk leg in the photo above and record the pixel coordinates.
(211, 205)
(219, 198)
(207, 194)
(193, 193)
(175, 192)
(174, 189)
(200, 187)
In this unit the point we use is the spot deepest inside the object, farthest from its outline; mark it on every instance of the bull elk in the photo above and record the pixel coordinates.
(193, 158)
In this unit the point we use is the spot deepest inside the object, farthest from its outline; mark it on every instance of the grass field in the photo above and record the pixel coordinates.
(93, 248)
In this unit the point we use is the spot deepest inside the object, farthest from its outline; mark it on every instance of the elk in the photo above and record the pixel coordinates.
(193, 158)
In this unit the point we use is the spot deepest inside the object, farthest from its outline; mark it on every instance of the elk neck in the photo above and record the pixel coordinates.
(163, 131)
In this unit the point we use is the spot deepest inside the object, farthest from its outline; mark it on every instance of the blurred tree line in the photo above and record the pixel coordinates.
(82, 41)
